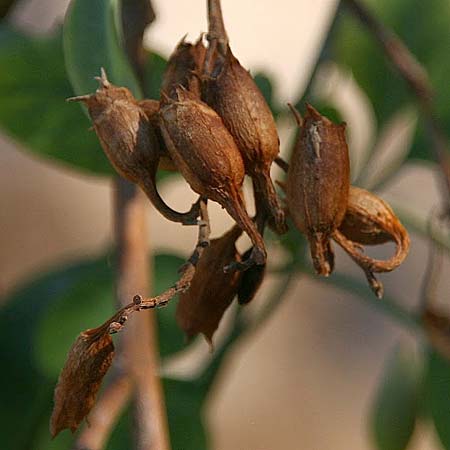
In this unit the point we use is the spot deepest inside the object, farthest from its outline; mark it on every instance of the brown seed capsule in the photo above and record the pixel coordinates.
(206, 155)
(231, 91)
(370, 221)
(211, 292)
(130, 142)
(318, 183)
(184, 68)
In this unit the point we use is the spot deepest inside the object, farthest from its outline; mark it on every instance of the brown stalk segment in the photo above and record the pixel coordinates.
(317, 184)
(130, 143)
(206, 155)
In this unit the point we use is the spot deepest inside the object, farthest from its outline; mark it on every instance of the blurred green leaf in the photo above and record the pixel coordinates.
(396, 405)
(93, 39)
(423, 26)
(438, 395)
(154, 71)
(33, 110)
(27, 393)
(184, 401)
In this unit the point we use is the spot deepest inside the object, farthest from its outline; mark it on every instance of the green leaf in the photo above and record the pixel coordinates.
(423, 26)
(265, 85)
(438, 395)
(154, 71)
(184, 401)
(396, 405)
(93, 39)
(33, 109)
(26, 399)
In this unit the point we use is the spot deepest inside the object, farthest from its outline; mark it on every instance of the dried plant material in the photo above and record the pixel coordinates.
(202, 306)
(231, 91)
(183, 69)
(250, 281)
(206, 155)
(129, 141)
(87, 363)
(317, 184)
(151, 110)
(437, 327)
(370, 221)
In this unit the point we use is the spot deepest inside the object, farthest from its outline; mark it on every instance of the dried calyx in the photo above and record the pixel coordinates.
(370, 221)
(211, 292)
(317, 184)
(206, 155)
(129, 141)
(231, 91)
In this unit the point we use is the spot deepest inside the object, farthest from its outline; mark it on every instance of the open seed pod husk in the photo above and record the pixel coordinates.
(183, 69)
(129, 141)
(206, 155)
(370, 221)
(317, 184)
(211, 292)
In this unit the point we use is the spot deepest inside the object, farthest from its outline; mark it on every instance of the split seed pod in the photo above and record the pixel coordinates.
(211, 292)
(206, 155)
(317, 184)
(232, 93)
(183, 69)
(250, 281)
(370, 221)
(129, 141)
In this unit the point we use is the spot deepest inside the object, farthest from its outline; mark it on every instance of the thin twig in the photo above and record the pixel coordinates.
(417, 78)
(138, 347)
(104, 415)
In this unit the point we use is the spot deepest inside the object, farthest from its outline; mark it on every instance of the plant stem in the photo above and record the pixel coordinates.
(138, 347)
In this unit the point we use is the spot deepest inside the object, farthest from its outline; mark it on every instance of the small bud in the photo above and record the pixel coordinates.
(211, 292)
(206, 155)
(129, 141)
(370, 221)
(317, 184)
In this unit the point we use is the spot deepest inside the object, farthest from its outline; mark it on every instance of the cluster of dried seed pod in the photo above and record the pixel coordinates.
(213, 125)
(324, 206)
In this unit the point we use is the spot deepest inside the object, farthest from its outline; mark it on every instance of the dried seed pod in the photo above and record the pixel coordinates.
(183, 69)
(231, 91)
(206, 155)
(318, 183)
(370, 221)
(151, 110)
(250, 281)
(202, 306)
(130, 142)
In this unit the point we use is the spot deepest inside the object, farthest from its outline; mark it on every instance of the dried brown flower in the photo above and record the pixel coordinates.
(318, 183)
(87, 363)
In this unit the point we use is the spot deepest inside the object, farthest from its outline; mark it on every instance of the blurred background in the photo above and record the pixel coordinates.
(308, 378)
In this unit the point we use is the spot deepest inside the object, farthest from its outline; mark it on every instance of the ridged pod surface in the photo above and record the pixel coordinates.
(206, 155)
(318, 183)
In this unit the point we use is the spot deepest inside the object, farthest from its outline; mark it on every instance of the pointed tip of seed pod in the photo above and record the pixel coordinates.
(79, 98)
(103, 79)
(182, 41)
(312, 112)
